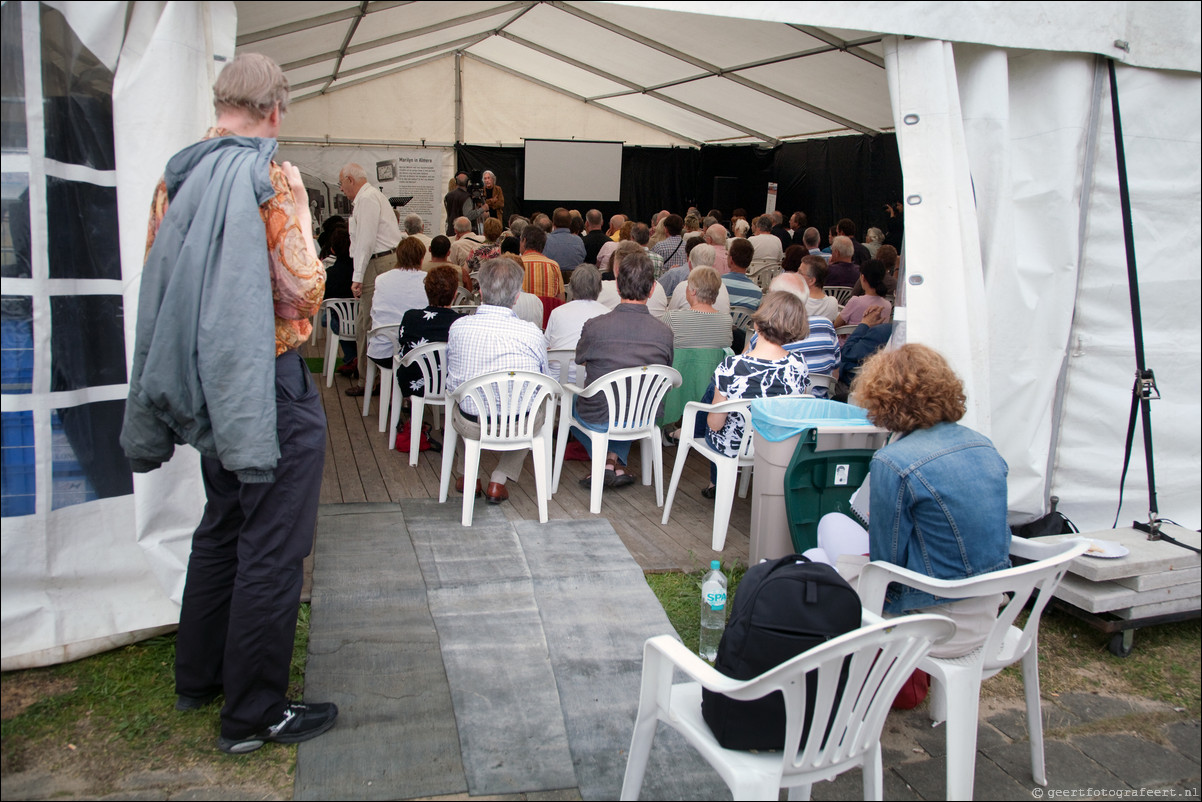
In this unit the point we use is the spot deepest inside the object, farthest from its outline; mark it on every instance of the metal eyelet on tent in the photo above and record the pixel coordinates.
(913, 200)
(910, 119)
(915, 279)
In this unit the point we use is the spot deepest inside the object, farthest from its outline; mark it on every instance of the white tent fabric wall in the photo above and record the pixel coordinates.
(1028, 124)
(89, 577)
(1162, 120)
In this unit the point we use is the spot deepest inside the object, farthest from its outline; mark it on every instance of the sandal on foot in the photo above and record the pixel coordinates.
(709, 492)
(615, 479)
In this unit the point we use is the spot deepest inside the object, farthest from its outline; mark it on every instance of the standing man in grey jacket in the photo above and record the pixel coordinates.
(230, 283)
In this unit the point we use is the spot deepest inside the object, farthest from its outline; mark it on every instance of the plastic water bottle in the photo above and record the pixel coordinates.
(713, 610)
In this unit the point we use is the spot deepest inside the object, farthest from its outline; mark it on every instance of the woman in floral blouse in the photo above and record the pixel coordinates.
(764, 371)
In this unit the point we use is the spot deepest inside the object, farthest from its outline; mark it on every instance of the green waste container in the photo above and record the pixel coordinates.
(820, 429)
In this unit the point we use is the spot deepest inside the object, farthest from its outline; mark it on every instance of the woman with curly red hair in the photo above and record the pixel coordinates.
(937, 492)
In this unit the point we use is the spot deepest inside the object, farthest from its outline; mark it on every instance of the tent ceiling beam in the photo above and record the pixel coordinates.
(441, 48)
(634, 87)
(582, 99)
(520, 7)
(712, 69)
(346, 42)
(372, 77)
(315, 22)
(847, 47)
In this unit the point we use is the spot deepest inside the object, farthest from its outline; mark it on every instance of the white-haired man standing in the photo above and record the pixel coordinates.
(374, 237)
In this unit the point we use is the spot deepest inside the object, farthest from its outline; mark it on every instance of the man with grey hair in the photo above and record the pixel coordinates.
(843, 272)
(242, 396)
(565, 322)
(765, 263)
(493, 339)
(374, 237)
(702, 255)
(627, 337)
(466, 241)
(594, 237)
(641, 233)
(715, 235)
(811, 239)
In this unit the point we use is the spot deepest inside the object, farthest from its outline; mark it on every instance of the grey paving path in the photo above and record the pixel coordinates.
(494, 660)
(503, 661)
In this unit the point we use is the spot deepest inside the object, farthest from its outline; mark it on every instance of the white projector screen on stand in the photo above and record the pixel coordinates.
(573, 170)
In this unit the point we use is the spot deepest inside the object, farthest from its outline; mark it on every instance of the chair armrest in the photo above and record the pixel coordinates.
(672, 651)
(876, 576)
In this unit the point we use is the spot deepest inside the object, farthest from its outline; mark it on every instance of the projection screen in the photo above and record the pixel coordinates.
(573, 170)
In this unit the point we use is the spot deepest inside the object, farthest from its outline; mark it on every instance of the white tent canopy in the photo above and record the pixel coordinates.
(1014, 249)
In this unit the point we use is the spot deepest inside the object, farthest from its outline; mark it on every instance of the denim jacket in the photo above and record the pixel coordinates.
(938, 507)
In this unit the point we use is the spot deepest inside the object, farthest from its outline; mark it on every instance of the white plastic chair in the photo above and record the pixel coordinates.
(566, 357)
(387, 375)
(742, 318)
(431, 360)
(840, 294)
(821, 380)
(508, 403)
(845, 330)
(634, 396)
(347, 310)
(728, 467)
(879, 658)
(464, 297)
(956, 682)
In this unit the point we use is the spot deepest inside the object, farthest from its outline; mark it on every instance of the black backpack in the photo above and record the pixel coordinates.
(782, 608)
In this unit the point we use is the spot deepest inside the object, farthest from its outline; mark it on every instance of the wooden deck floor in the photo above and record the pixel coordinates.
(360, 468)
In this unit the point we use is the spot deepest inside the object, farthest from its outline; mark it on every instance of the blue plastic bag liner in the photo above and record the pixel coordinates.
(778, 419)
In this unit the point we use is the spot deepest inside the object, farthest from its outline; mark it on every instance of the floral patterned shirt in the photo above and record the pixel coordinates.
(297, 282)
(749, 377)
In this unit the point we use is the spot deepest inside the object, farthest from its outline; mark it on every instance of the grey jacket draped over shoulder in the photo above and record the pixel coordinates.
(204, 356)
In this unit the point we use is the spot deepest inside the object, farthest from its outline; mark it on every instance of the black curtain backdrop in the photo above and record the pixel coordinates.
(849, 176)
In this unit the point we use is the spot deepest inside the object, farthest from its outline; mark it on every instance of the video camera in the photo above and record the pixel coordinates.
(475, 186)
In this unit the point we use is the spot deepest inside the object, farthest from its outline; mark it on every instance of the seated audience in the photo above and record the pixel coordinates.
(657, 303)
(870, 336)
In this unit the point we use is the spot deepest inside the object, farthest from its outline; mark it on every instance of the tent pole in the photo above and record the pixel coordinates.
(459, 97)
(1145, 382)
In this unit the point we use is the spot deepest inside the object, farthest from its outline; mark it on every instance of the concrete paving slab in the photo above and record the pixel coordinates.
(1067, 768)
(1162, 608)
(933, 740)
(1185, 735)
(1138, 762)
(928, 779)
(849, 787)
(1146, 556)
(1101, 597)
(1162, 579)
(1088, 707)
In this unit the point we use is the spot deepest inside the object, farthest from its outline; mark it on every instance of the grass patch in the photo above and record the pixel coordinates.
(108, 716)
(680, 596)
